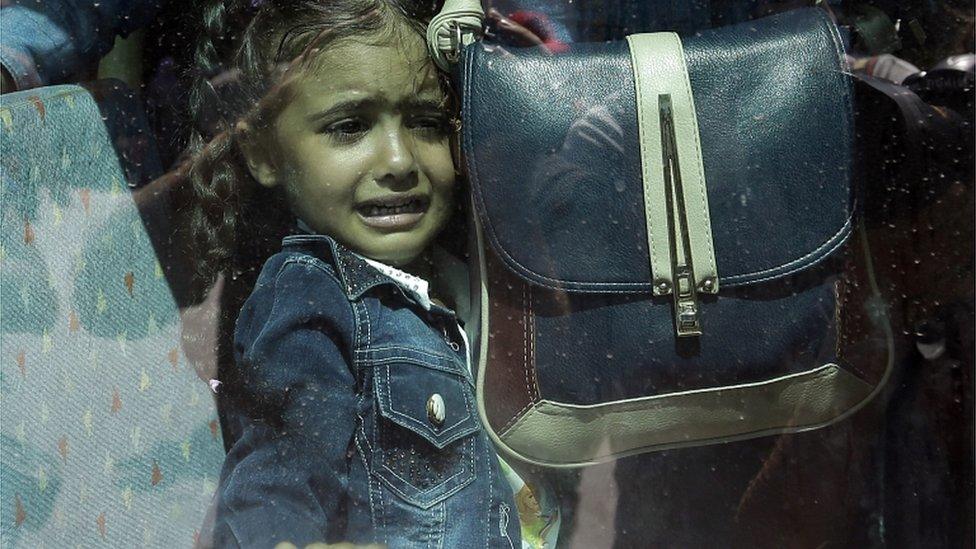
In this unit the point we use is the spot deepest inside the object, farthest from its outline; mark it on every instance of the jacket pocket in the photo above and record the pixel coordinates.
(423, 443)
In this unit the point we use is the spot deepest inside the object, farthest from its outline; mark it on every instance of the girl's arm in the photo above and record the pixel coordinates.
(286, 476)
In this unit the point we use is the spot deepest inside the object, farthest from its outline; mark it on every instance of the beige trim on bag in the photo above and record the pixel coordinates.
(576, 435)
(559, 435)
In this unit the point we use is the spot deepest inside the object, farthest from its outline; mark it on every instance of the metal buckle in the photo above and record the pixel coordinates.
(686, 309)
(454, 53)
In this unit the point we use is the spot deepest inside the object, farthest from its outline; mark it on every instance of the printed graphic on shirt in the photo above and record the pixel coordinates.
(538, 512)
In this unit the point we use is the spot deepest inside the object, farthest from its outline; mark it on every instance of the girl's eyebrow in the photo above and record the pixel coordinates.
(412, 103)
(344, 107)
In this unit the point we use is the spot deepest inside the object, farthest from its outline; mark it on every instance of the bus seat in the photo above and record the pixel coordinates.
(108, 435)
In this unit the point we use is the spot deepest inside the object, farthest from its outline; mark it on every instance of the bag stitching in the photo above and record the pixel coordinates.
(641, 116)
(823, 255)
(525, 365)
(533, 371)
(700, 164)
(838, 317)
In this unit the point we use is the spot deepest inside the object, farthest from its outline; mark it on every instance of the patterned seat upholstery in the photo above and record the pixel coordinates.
(108, 436)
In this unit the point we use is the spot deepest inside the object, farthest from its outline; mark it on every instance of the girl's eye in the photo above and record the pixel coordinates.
(432, 126)
(347, 130)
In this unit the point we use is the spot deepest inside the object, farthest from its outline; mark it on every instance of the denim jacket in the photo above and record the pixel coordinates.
(357, 416)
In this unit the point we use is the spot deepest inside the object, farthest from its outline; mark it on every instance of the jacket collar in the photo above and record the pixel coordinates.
(355, 274)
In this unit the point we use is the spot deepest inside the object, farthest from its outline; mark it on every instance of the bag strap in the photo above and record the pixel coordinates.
(457, 24)
(679, 232)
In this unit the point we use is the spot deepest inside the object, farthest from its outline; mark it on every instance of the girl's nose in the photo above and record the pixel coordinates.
(397, 164)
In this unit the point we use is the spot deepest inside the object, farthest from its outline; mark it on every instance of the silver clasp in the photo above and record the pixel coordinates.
(454, 54)
(686, 310)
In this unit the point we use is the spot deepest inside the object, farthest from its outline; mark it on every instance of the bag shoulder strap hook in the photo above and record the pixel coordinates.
(456, 26)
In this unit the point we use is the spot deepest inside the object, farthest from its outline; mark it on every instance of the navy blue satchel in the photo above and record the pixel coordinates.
(669, 245)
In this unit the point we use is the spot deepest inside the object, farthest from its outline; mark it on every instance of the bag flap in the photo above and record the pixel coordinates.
(552, 151)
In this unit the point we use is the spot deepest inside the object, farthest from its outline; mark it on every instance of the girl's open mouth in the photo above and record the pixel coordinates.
(393, 213)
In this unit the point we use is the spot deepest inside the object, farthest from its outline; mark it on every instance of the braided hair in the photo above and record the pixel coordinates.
(235, 222)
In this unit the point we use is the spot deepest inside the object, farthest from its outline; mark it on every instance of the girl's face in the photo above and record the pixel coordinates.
(362, 149)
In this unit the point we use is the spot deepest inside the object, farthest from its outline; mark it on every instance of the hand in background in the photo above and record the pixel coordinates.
(524, 29)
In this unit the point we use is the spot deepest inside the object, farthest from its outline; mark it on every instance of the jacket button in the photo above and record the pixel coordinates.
(436, 410)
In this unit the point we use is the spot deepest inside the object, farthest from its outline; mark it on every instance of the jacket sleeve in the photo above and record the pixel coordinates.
(285, 477)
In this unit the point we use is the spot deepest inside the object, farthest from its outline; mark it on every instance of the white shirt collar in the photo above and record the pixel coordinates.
(417, 287)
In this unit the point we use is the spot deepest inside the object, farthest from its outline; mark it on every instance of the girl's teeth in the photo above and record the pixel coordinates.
(390, 210)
